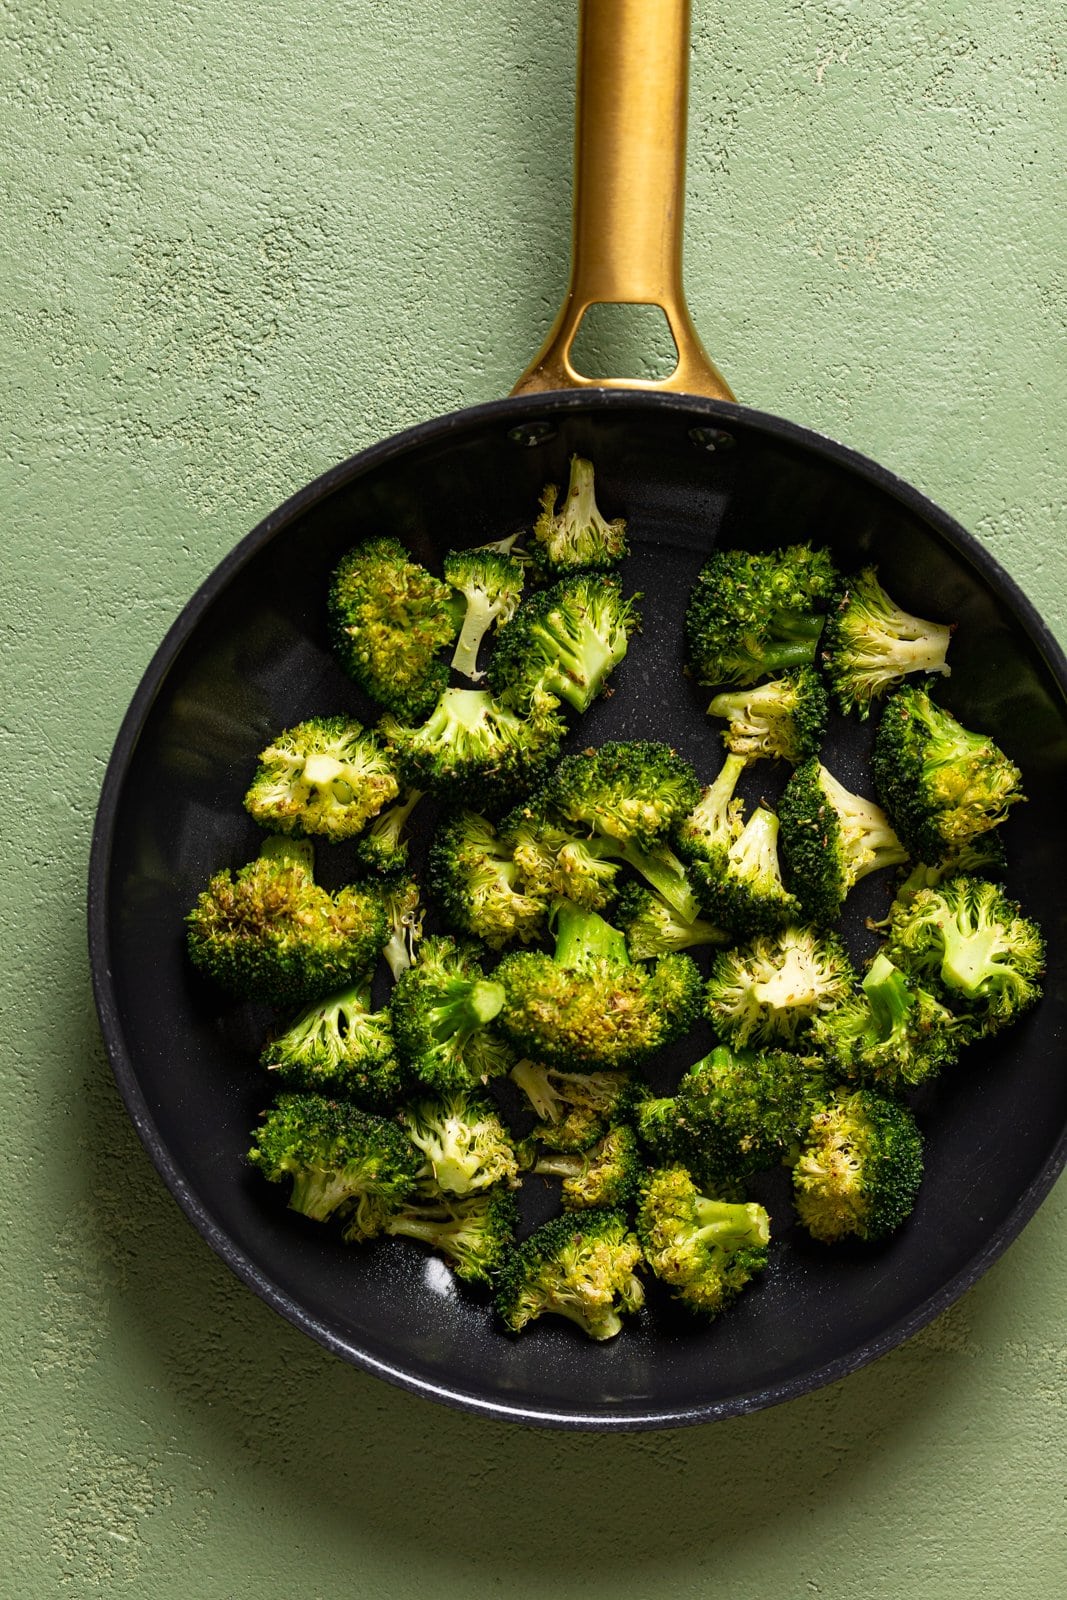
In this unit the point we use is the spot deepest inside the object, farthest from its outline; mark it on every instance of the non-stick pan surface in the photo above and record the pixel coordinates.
(249, 655)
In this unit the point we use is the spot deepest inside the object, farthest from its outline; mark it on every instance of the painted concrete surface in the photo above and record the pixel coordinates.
(244, 241)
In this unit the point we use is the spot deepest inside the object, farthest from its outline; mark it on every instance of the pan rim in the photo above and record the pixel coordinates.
(437, 430)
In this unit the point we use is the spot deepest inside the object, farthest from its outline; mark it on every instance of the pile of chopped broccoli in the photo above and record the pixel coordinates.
(473, 877)
(443, 1009)
(752, 615)
(491, 584)
(770, 990)
(326, 775)
(563, 642)
(340, 1044)
(464, 1141)
(583, 1268)
(870, 643)
(707, 1250)
(607, 1174)
(574, 1109)
(831, 839)
(859, 1169)
(576, 538)
(784, 719)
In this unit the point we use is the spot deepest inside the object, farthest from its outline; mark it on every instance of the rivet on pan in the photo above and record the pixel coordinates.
(712, 438)
(531, 433)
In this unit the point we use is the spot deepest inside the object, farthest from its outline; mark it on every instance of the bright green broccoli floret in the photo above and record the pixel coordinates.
(324, 776)
(969, 938)
(491, 584)
(400, 896)
(389, 618)
(564, 642)
(745, 891)
(583, 1268)
(340, 1159)
(653, 927)
(893, 1033)
(587, 1005)
(608, 1174)
(751, 615)
(984, 857)
(716, 821)
(340, 1044)
(859, 1169)
(464, 1141)
(443, 1007)
(382, 847)
(474, 1234)
(942, 785)
(769, 990)
(576, 537)
(831, 839)
(574, 1109)
(870, 643)
(474, 879)
(471, 744)
(272, 934)
(707, 1250)
(785, 718)
(633, 791)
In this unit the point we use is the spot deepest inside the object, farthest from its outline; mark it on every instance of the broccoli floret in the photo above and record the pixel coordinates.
(633, 791)
(707, 1250)
(587, 1005)
(870, 643)
(984, 857)
(472, 744)
(576, 537)
(574, 1109)
(324, 776)
(892, 1034)
(969, 938)
(443, 1007)
(750, 615)
(474, 879)
(745, 892)
(464, 1141)
(383, 847)
(784, 719)
(341, 1045)
(716, 821)
(608, 1174)
(339, 1158)
(491, 584)
(769, 990)
(942, 785)
(653, 928)
(564, 642)
(583, 1268)
(272, 934)
(831, 839)
(400, 896)
(389, 618)
(859, 1169)
(474, 1234)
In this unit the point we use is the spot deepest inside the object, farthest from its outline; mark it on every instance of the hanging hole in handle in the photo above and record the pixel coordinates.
(617, 340)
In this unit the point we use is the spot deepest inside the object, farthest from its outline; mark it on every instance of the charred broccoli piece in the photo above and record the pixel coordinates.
(574, 1109)
(389, 619)
(751, 615)
(892, 1034)
(633, 792)
(474, 879)
(472, 744)
(563, 642)
(583, 1268)
(443, 1007)
(870, 643)
(491, 584)
(783, 719)
(341, 1045)
(744, 892)
(474, 1234)
(576, 538)
(831, 839)
(383, 847)
(706, 1250)
(942, 785)
(859, 1169)
(326, 775)
(464, 1141)
(653, 927)
(607, 1174)
(272, 934)
(770, 990)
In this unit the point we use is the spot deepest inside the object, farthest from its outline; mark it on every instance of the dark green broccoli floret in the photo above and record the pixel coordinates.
(870, 643)
(272, 934)
(470, 744)
(583, 1268)
(564, 641)
(893, 1033)
(634, 792)
(389, 618)
(325, 776)
(707, 1250)
(491, 584)
(653, 927)
(942, 785)
(443, 1007)
(587, 1005)
(464, 1141)
(474, 1234)
(750, 615)
(831, 839)
(382, 847)
(574, 1109)
(785, 718)
(474, 879)
(769, 990)
(859, 1169)
(608, 1174)
(577, 537)
(338, 1157)
(400, 896)
(968, 937)
(744, 891)
(340, 1044)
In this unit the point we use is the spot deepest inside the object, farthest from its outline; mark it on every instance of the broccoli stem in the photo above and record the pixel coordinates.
(663, 870)
(888, 995)
(582, 936)
(798, 652)
(577, 668)
(476, 623)
(968, 959)
(317, 1194)
(799, 624)
(469, 1008)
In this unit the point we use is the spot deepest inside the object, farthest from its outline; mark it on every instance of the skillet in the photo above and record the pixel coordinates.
(249, 655)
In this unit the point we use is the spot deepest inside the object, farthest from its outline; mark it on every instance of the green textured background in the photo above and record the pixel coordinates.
(244, 241)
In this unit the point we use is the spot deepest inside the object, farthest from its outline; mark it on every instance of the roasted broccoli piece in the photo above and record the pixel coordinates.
(272, 934)
(473, 1234)
(576, 538)
(745, 892)
(892, 1034)
(870, 643)
(326, 775)
(383, 847)
(583, 1268)
(785, 718)
(389, 618)
(443, 1007)
(633, 791)
(608, 1174)
(470, 744)
(400, 896)
(860, 1167)
(969, 938)
(339, 1158)
(464, 1141)
(563, 642)
(653, 927)
(341, 1045)
(474, 879)
(751, 615)
(716, 821)
(574, 1109)
(942, 785)
(587, 1005)
(769, 990)
(831, 839)
(707, 1250)
(491, 584)
(984, 857)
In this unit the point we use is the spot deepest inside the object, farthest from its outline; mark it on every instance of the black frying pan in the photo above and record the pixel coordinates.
(249, 655)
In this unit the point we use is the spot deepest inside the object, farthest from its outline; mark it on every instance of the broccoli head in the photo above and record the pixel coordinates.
(870, 643)
(633, 792)
(491, 584)
(583, 1268)
(383, 847)
(443, 1008)
(743, 891)
(474, 1234)
(706, 1250)
(607, 1174)
(475, 880)
(751, 615)
(574, 1109)
(563, 642)
(341, 1045)
(784, 719)
(893, 1034)
(324, 776)
(470, 744)
(859, 1168)
(653, 927)
(716, 821)
(463, 1140)
(831, 839)
(769, 990)
(576, 538)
